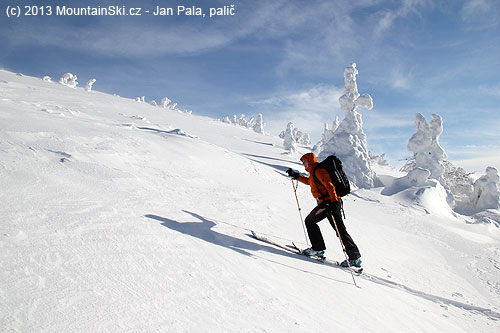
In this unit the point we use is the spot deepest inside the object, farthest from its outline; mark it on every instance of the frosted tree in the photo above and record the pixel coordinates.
(242, 120)
(289, 142)
(69, 80)
(251, 122)
(259, 124)
(326, 136)
(165, 102)
(89, 84)
(328, 132)
(459, 183)
(305, 140)
(486, 194)
(65, 78)
(301, 137)
(348, 141)
(378, 159)
(427, 153)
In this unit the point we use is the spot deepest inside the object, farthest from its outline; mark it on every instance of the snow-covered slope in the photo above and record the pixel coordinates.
(120, 216)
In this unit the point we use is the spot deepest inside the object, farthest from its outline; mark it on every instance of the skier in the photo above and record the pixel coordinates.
(329, 205)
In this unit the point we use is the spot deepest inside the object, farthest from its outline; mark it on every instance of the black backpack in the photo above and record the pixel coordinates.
(339, 179)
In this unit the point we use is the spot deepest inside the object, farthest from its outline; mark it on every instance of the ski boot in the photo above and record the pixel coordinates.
(313, 253)
(351, 263)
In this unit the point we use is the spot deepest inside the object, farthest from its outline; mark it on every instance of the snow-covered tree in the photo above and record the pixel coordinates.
(427, 153)
(378, 159)
(259, 124)
(242, 120)
(300, 137)
(459, 183)
(486, 193)
(289, 143)
(256, 124)
(89, 84)
(348, 141)
(305, 140)
(47, 78)
(165, 102)
(69, 80)
(326, 136)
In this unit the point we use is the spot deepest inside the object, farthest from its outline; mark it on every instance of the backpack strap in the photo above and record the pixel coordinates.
(316, 181)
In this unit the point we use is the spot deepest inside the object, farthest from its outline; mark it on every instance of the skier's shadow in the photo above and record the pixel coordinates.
(203, 230)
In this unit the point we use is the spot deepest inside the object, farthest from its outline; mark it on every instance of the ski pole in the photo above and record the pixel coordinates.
(300, 211)
(343, 248)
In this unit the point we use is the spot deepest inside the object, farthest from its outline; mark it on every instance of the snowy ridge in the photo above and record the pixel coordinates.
(117, 215)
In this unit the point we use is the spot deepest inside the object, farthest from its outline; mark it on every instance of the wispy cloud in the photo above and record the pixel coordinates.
(150, 37)
(308, 109)
(388, 17)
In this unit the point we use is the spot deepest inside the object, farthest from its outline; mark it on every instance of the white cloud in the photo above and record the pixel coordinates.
(309, 109)
(473, 8)
(388, 17)
(479, 14)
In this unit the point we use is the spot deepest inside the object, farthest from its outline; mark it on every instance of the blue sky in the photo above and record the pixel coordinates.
(286, 59)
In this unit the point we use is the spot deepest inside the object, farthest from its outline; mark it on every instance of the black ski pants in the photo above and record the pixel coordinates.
(314, 232)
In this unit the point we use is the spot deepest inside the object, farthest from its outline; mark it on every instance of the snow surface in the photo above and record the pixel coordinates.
(122, 216)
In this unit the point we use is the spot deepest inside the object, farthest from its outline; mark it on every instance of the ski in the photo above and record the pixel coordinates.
(295, 250)
(356, 270)
(267, 240)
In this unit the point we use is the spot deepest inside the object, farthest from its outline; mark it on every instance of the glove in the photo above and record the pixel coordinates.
(292, 173)
(331, 206)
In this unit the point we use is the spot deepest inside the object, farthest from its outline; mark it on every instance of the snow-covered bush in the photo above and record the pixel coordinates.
(90, 82)
(348, 141)
(47, 78)
(69, 80)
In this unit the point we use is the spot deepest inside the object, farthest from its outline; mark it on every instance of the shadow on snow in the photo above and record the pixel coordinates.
(203, 230)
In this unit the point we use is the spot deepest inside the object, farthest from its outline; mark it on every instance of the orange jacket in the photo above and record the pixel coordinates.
(324, 190)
